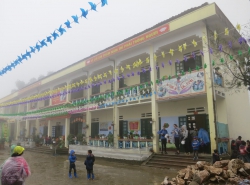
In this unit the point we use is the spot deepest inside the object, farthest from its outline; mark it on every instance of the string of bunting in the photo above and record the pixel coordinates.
(53, 36)
(75, 87)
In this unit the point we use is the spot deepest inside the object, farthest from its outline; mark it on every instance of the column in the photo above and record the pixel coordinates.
(154, 104)
(88, 115)
(17, 129)
(37, 127)
(210, 95)
(88, 122)
(116, 110)
(27, 127)
(68, 96)
(67, 131)
(49, 128)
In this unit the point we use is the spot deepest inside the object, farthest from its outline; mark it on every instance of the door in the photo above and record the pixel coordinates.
(58, 131)
(45, 130)
(196, 121)
(94, 129)
(146, 128)
(123, 128)
(76, 128)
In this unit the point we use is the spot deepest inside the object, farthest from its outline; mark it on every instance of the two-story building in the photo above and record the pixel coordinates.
(160, 76)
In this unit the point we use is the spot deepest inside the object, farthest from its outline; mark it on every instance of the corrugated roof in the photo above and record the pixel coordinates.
(140, 33)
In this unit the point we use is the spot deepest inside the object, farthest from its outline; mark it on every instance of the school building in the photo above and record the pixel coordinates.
(133, 88)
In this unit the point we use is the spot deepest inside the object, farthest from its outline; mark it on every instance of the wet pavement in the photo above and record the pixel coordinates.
(48, 169)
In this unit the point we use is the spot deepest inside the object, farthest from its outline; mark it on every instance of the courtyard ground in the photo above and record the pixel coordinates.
(50, 170)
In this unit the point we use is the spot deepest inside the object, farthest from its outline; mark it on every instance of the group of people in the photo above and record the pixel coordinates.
(240, 149)
(15, 169)
(182, 136)
(89, 163)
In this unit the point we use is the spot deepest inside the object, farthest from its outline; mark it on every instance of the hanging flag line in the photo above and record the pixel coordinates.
(49, 39)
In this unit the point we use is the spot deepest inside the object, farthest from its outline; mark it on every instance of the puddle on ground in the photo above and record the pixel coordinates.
(48, 169)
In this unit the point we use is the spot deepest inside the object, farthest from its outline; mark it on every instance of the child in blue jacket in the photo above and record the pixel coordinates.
(72, 160)
(163, 132)
(195, 145)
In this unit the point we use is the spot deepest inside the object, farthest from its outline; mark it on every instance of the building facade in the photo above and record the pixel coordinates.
(157, 77)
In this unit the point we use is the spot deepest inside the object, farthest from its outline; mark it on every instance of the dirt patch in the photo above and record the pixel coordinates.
(48, 169)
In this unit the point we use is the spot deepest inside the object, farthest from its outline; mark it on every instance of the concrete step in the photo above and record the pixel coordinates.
(47, 150)
(172, 161)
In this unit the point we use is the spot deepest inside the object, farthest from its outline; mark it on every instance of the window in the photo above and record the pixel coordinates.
(191, 63)
(182, 121)
(121, 82)
(218, 79)
(96, 89)
(46, 102)
(145, 77)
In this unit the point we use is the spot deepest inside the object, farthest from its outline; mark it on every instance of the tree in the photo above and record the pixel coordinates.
(231, 57)
(13, 90)
(50, 72)
(40, 77)
(32, 80)
(20, 84)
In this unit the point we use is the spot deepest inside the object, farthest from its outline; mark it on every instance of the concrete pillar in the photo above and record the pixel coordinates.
(154, 103)
(27, 127)
(116, 110)
(17, 129)
(49, 128)
(37, 127)
(68, 97)
(210, 94)
(67, 131)
(88, 122)
(88, 114)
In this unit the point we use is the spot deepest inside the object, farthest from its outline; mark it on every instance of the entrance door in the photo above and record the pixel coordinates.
(123, 128)
(45, 130)
(58, 131)
(146, 128)
(76, 128)
(94, 129)
(196, 121)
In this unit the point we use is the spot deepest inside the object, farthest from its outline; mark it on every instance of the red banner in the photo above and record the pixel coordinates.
(134, 125)
(133, 42)
(59, 99)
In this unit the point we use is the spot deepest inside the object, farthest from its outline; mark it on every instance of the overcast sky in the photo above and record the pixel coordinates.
(24, 22)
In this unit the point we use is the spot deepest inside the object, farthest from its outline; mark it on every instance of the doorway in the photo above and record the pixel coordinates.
(57, 131)
(76, 128)
(123, 129)
(146, 128)
(45, 130)
(94, 129)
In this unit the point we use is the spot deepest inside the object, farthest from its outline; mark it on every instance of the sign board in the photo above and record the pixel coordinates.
(134, 125)
(129, 44)
(188, 84)
(59, 99)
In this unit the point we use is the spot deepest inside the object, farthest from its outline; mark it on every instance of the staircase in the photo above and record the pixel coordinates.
(48, 150)
(172, 161)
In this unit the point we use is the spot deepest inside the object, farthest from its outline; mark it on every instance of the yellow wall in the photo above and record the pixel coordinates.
(103, 115)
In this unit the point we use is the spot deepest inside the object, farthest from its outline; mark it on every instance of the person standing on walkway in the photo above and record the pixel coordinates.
(177, 132)
(185, 140)
(89, 163)
(163, 135)
(16, 169)
(72, 160)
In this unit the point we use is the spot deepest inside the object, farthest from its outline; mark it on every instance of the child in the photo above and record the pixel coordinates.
(243, 152)
(89, 163)
(195, 145)
(234, 151)
(216, 156)
(72, 160)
